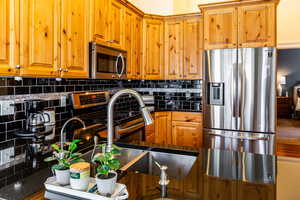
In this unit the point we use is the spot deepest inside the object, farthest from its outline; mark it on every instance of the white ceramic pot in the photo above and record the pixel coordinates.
(62, 176)
(106, 186)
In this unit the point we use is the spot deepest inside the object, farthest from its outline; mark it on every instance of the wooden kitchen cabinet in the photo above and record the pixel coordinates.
(39, 38)
(9, 45)
(244, 24)
(249, 191)
(183, 48)
(74, 38)
(116, 24)
(107, 22)
(99, 10)
(153, 49)
(193, 48)
(133, 44)
(186, 133)
(174, 42)
(150, 131)
(257, 25)
(187, 129)
(163, 128)
(220, 28)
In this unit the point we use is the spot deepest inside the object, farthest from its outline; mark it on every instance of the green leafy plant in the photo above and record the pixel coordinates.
(107, 160)
(65, 158)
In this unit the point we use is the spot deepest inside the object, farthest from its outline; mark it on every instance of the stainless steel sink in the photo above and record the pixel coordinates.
(179, 165)
(126, 155)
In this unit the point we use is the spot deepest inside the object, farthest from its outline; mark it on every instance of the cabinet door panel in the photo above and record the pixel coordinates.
(163, 128)
(186, 133)
(220, 28)
(74, 38)
(116, 24)
(153, 50)
(257, 25)
(99, 20)
(193, 48)
(174, 49)
(129, 23)
(8, 42)
(137, 47)
(39, 31)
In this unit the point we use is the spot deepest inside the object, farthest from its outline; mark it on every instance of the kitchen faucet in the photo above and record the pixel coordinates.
(110, 111)
(63, 136)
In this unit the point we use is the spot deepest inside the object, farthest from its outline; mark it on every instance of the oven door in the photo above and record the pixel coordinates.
(107, 63)
(133, 131)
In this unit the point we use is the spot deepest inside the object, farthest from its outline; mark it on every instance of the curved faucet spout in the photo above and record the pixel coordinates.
(62, 136)
(110, 111)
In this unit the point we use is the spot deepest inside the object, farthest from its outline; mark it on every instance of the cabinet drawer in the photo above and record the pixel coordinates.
(187, 116)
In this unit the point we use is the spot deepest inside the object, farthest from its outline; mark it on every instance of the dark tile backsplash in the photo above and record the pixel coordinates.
(179, 101)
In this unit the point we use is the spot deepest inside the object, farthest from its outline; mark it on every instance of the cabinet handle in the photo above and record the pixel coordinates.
(18, 66)
(63, 69)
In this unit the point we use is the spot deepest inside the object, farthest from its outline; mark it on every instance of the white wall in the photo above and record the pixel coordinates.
(189, 6)
(288, 28)
(159, 7)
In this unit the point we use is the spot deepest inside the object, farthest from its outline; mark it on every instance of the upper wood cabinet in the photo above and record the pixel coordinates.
(9, 47)
(137, 47)
(174, 42)
(116, 24)
(74, 38)
(240, 24)
(39, 38)
(133, 44)
(99, 20)
(193, 48)
(220, 28)
(107, 22)
(153, 49)
(183, 48)
(257, 25)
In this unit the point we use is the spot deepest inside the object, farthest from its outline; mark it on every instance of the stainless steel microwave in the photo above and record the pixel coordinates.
(107, 62)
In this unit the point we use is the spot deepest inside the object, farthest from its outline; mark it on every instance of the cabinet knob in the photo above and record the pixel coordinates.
(18, 66)
(66, 70)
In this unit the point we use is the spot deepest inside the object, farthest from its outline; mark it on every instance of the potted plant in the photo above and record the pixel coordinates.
(106, 176)
(65, 158)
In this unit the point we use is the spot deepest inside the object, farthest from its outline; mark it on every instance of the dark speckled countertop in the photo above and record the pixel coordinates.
(214, 174)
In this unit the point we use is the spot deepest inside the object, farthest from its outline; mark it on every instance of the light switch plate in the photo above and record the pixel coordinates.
(7, 107)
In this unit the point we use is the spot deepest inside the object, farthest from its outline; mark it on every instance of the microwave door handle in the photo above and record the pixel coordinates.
(123, 65)
(116, 64)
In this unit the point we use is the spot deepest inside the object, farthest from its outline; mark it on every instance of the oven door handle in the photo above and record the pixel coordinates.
(121, 131)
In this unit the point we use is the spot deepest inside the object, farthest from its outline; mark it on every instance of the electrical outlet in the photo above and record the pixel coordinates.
(63, 101)
(7, 107)
(7, 155)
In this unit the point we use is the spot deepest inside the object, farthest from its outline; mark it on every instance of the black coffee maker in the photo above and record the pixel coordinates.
(35, 118)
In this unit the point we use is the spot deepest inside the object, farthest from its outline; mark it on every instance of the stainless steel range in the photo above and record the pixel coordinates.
(91, 107)
(239, 108)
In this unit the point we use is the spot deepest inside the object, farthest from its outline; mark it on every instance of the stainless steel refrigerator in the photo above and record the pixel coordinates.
(239, 104)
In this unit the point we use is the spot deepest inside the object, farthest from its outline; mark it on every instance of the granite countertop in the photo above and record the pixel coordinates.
(214, 174)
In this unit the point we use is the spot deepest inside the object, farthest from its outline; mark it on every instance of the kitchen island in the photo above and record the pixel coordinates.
(213, 174)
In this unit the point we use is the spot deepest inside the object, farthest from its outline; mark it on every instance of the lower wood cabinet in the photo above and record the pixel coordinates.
(176, 128)
(186, 133)
(163, 128)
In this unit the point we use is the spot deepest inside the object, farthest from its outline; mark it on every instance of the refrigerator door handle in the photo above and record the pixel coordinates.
(234, 87)
(240, 137)
(239, 82)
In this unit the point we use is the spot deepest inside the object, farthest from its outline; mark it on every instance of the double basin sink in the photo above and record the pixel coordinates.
(142, 159)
